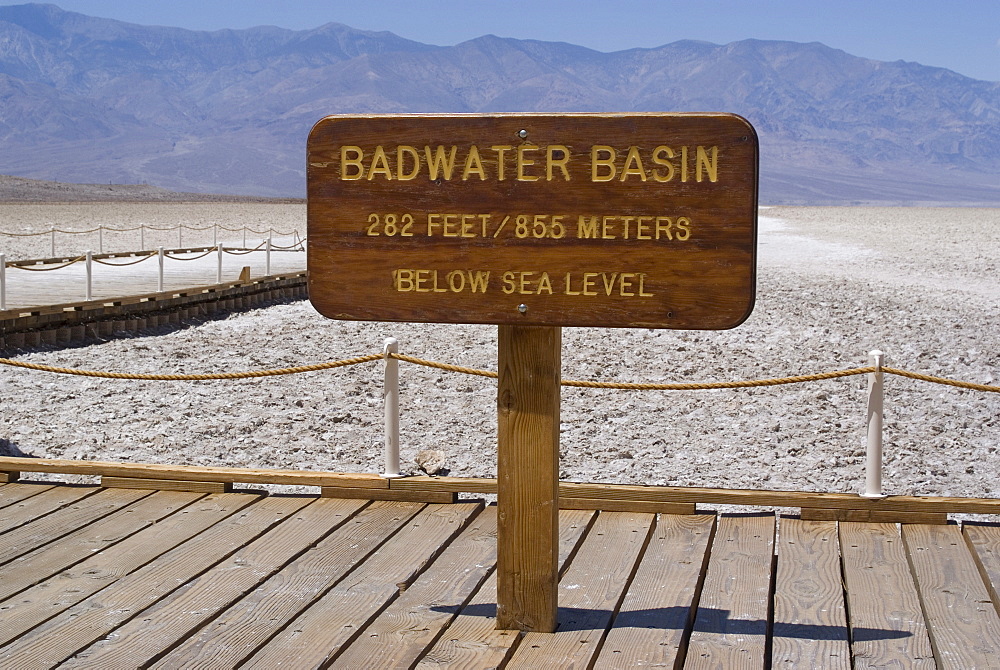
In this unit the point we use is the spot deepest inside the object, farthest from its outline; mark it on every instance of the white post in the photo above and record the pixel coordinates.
(390, 396)
(244, 237)
(100, 239)
(3, 282)
(873, 467)
(159, 283)
(267, 272)
(218, 271)
(142, 237)
(90, 275)
(180, 231)
(53, 254)
(215, 233)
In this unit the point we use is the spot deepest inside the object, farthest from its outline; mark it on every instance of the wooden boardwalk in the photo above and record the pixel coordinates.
(27, 288)
(97, 577)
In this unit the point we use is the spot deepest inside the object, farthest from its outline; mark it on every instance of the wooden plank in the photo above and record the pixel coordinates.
(642, 506)
(887, 624)
(810, 624)
(780, 498)
(529, 365)
(655, 618)
(589, 593)
(28, 509)
(47, 599)
(14, 493)
(40, 532)
(389, 494)
(38, 565)
(730, 628)
(82, 624)
(245, 626)
(984, 542)
(165, 485)
(8, 476)
(473, 641)
(455, 484)
(194, 473)
(397, 638)
(338, 616)
(183, 612)
(963, 625)
(873, 516)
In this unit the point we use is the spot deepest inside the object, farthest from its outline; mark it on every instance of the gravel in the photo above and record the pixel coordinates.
(833, 284)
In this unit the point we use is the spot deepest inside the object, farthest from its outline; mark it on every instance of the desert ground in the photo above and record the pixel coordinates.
(920, 284)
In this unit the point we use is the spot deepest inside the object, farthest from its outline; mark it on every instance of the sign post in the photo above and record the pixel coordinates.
(533, 222)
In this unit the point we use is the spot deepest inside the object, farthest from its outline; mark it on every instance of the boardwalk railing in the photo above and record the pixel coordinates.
(872, 488)
(89, 258)
(142, 228)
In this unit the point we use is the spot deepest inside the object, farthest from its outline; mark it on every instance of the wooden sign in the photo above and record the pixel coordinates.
(643, 220)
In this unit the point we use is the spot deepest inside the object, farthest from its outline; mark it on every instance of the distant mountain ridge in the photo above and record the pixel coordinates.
(95, 100)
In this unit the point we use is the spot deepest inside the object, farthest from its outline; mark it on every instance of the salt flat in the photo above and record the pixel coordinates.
(920, 284)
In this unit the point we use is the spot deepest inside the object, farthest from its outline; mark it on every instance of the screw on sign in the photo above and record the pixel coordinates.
(533, 222)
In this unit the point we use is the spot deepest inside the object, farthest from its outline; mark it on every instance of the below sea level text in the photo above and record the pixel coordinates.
(522, 282)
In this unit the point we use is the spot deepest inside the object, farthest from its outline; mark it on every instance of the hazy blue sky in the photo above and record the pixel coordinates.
(962, 35)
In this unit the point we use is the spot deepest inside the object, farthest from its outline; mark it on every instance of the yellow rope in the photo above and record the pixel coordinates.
(218, 375)
(443, 366)
(58, 267)
(244, 253)
(694, 386)
(47, 232)
(702, 386)
(942, 380)
(627, 386)
(121, 265)
(194, 258)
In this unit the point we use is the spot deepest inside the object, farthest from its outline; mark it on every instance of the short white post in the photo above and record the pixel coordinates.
(90, 275)
(180, 231)
(390, 396)
(142, 237)
(100, 239)
(218, 271)
(267, 272)
(53, 242)
(244, 237)
(215, 234)
(873, 467)
(159, 282)
(3, 282)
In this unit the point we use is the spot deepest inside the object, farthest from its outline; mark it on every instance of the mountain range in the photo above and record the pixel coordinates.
(86, 99)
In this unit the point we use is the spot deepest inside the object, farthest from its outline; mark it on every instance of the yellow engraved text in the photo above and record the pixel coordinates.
(440, 281)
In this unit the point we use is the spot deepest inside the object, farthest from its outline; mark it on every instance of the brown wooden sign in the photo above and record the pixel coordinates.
(644, 220)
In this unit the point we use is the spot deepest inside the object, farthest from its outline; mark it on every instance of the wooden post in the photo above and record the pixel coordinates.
(528, 477)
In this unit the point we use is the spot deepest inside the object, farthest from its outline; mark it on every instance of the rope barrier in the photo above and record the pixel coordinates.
(443, 366)
(282, 233)
(297, 245)
(702, 386)
(57, 267)
(693, 386)
(73, 232)
(47, 232)
(244, 253)
(121, 265)
(194, 258)
(251, 374)
(942, 380)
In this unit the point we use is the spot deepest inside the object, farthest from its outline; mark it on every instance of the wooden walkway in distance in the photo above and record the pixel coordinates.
(33, 288)
(95, 577)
